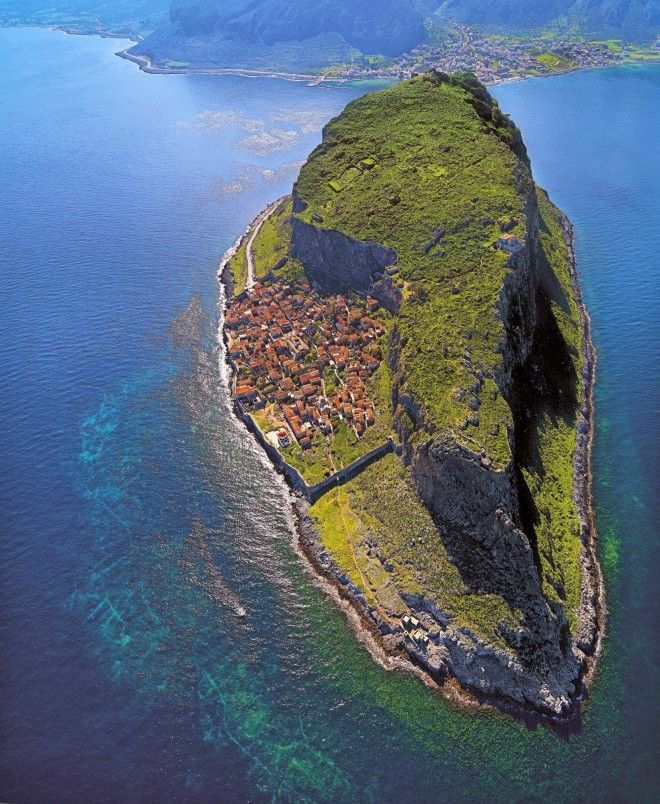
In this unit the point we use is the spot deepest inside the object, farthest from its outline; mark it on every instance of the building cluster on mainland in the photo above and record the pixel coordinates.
(491, 58)
(304, 358)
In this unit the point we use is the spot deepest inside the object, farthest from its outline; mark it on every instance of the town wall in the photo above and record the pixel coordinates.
(350, 471)
(293, 476)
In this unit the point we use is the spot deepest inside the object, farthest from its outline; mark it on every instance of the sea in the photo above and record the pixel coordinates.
(160, 638)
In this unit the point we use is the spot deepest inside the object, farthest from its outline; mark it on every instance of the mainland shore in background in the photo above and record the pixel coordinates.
(337, 78)
(589, 55)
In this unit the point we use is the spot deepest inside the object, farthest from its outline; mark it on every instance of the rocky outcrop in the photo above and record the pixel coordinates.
(483, 435)
(497, 674)
(388, 293)
(480, 512)
(477, 512)
(333, 261)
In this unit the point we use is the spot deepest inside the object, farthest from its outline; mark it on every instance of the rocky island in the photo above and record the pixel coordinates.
(409, 345)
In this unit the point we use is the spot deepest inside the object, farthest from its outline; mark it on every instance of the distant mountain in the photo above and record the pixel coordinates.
(630, 19)
(289, 34)
(309, 35)
(133, 17)
(388, 26)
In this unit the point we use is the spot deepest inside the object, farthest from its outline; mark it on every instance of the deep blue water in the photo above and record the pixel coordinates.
(137, 519)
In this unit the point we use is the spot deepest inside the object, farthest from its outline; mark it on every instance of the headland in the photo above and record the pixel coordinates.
(415, 357)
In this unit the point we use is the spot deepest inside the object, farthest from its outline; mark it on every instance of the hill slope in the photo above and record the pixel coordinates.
(479, 528)
(132, 17)
(285, 34)
(309, 35)
(630, 19)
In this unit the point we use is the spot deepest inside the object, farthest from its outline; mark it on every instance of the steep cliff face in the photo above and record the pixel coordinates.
(335, 262)
(480, 510)
(474, 502)
(487, 353)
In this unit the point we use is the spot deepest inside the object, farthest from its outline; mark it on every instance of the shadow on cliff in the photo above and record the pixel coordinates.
(545, 390)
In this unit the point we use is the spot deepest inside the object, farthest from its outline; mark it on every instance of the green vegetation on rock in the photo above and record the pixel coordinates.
(548, 466)
(271, 244)
(434, 170)
(382, 536)
(270, 247)
(423, 193)
(239, 268)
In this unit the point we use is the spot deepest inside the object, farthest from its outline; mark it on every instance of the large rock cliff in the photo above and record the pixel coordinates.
(335, 262)
(480, 510)
(490, 365)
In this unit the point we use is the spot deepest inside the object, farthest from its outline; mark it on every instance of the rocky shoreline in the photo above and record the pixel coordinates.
(593, 609)
(388, 647)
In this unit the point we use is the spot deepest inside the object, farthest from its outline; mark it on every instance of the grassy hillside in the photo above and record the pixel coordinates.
(270, 245)
(381, 535)
(432, 169)
(437, 171)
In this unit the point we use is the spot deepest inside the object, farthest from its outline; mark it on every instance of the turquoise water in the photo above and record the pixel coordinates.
(139, 524)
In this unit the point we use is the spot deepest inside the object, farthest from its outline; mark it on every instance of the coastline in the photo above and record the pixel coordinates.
(312, 80)
(376, 635)
(145, 64)
(323, 573)
(70, 31)
(594, 606)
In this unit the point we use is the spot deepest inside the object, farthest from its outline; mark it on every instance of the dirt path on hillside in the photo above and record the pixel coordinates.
(259, 222)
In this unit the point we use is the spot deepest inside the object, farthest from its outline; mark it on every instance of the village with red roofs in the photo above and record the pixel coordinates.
(304, 360)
